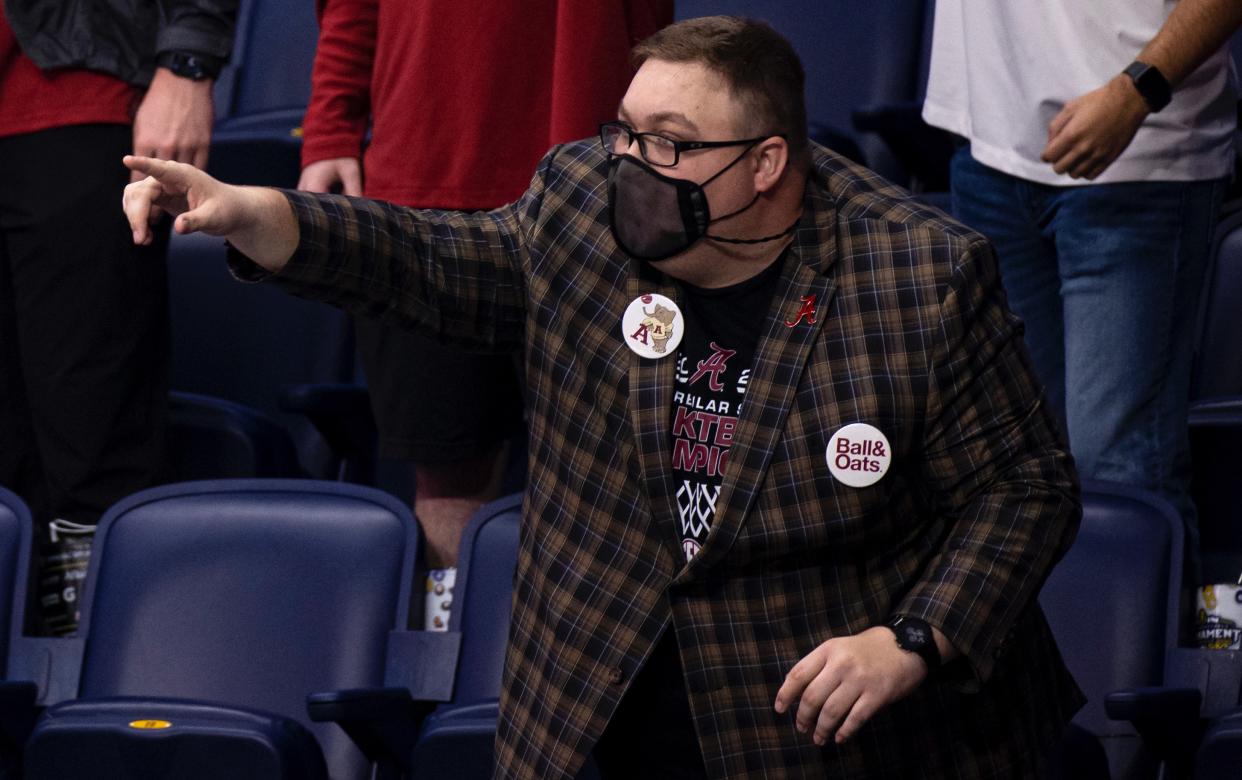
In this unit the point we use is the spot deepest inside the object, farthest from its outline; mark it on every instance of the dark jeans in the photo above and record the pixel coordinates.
(83, 327)
(1107, 278)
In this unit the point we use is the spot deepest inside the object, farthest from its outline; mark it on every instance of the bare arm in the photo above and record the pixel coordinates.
(1094, 129)
(1194, 30)
(258, 221)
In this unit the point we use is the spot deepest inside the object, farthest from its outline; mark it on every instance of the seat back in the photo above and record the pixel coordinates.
(252, 593)
(261, 97)
(210, 438)
(244, 342)
(273, 53)
(841, 75)
(1217, 370)
(1113, 602)
(483, 600)
(456, 740)
(16, 528)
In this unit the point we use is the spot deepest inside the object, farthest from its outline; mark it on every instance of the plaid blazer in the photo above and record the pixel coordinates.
(911, 335)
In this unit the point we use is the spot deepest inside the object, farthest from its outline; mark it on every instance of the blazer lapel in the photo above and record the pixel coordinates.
(651, 401)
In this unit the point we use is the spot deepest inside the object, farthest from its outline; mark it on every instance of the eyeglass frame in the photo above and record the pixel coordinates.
(678, 146)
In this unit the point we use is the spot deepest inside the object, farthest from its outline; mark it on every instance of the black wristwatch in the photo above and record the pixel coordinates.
(915, 636)
(1150, 83)
(189, 65)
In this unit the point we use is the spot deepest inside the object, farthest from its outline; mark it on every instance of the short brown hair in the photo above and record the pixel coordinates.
(761, 68)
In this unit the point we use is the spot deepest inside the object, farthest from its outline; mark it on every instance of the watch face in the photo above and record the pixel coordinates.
(915, 636)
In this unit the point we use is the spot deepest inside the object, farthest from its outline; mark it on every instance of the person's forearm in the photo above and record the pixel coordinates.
(1194, 30)
(269, 234)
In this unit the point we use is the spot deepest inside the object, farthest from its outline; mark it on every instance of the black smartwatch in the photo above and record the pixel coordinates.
(188, 65)
(915, 636)
(1150, 83)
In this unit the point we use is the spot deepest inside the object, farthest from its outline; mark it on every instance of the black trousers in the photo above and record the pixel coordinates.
(83, 327)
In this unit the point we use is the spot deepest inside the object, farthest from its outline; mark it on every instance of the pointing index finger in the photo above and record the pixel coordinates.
(147, 166)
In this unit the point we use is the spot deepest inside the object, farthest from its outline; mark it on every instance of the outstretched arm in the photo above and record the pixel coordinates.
(258, 221)
(1093, 130)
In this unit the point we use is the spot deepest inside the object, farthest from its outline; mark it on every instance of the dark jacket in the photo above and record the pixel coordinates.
(911, 335)
(121, 37)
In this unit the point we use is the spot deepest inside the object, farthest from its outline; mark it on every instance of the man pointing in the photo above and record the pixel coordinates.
(704, 587)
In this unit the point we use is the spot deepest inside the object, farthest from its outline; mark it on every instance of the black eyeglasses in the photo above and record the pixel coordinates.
(656, 149)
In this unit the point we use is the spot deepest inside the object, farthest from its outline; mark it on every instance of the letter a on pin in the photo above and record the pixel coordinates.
(652, 326)
(859, 455)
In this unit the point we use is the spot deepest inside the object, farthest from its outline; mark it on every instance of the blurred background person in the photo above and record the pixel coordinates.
(83, 311)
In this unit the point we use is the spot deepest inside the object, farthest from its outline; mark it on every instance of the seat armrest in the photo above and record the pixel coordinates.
(1167, 720)
(383, 722)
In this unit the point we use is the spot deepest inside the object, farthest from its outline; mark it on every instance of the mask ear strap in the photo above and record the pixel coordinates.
(763, 240)
(720, 172)
(736, 160)
(737, 211)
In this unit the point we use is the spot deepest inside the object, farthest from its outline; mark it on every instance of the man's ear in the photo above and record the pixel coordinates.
(771, 160)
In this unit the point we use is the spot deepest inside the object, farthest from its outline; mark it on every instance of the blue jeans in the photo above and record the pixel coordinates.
(1107, 279)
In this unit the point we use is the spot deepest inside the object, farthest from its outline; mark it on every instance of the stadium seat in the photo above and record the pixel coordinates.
(1216, 405)
(1113, 603)
(842, 76)
(454, 724)
(247, 343)
(1217, 370)
(16, 528)
(261, 96)
(17, 695)
(458, 736)
(210, 438)
(216, 607)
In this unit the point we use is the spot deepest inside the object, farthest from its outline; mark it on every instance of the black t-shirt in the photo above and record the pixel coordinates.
(713, 367)
(652, 732)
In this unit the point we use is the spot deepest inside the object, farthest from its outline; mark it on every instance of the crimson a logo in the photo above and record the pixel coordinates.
(714, 365)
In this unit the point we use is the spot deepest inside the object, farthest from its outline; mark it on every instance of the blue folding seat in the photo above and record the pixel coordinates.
(211, 438)
(1113, 603)
(15, 546)
(461, 669)
(246, 344)
(843, 76)
(457, 737)
(17, 698)
(1216, 406)
(1217, 370)
(261, 96)
(212, 610)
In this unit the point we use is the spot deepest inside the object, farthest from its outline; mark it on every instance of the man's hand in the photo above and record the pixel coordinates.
(845, 681)
(1094, 129)
(256, 220)
(344, 173)
(174, 120)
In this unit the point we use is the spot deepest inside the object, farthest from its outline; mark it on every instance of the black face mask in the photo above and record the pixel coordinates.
(654, 216)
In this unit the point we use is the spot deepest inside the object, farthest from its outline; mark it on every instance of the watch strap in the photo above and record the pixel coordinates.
(189, 65)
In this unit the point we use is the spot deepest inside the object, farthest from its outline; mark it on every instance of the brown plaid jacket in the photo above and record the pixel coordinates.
(911, 335)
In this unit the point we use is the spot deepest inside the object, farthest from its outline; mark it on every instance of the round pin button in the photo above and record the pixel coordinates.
(859, 455)
(652, 326)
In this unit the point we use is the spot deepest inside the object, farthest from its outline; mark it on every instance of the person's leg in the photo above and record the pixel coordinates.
(89, 322)
(450, 414)
(20, 470)
(1009, 211)
(1133, 258)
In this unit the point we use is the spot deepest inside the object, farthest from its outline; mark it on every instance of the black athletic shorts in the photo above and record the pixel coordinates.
(435, 403)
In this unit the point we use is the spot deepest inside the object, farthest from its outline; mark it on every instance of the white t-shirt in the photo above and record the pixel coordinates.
(1002, 69)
